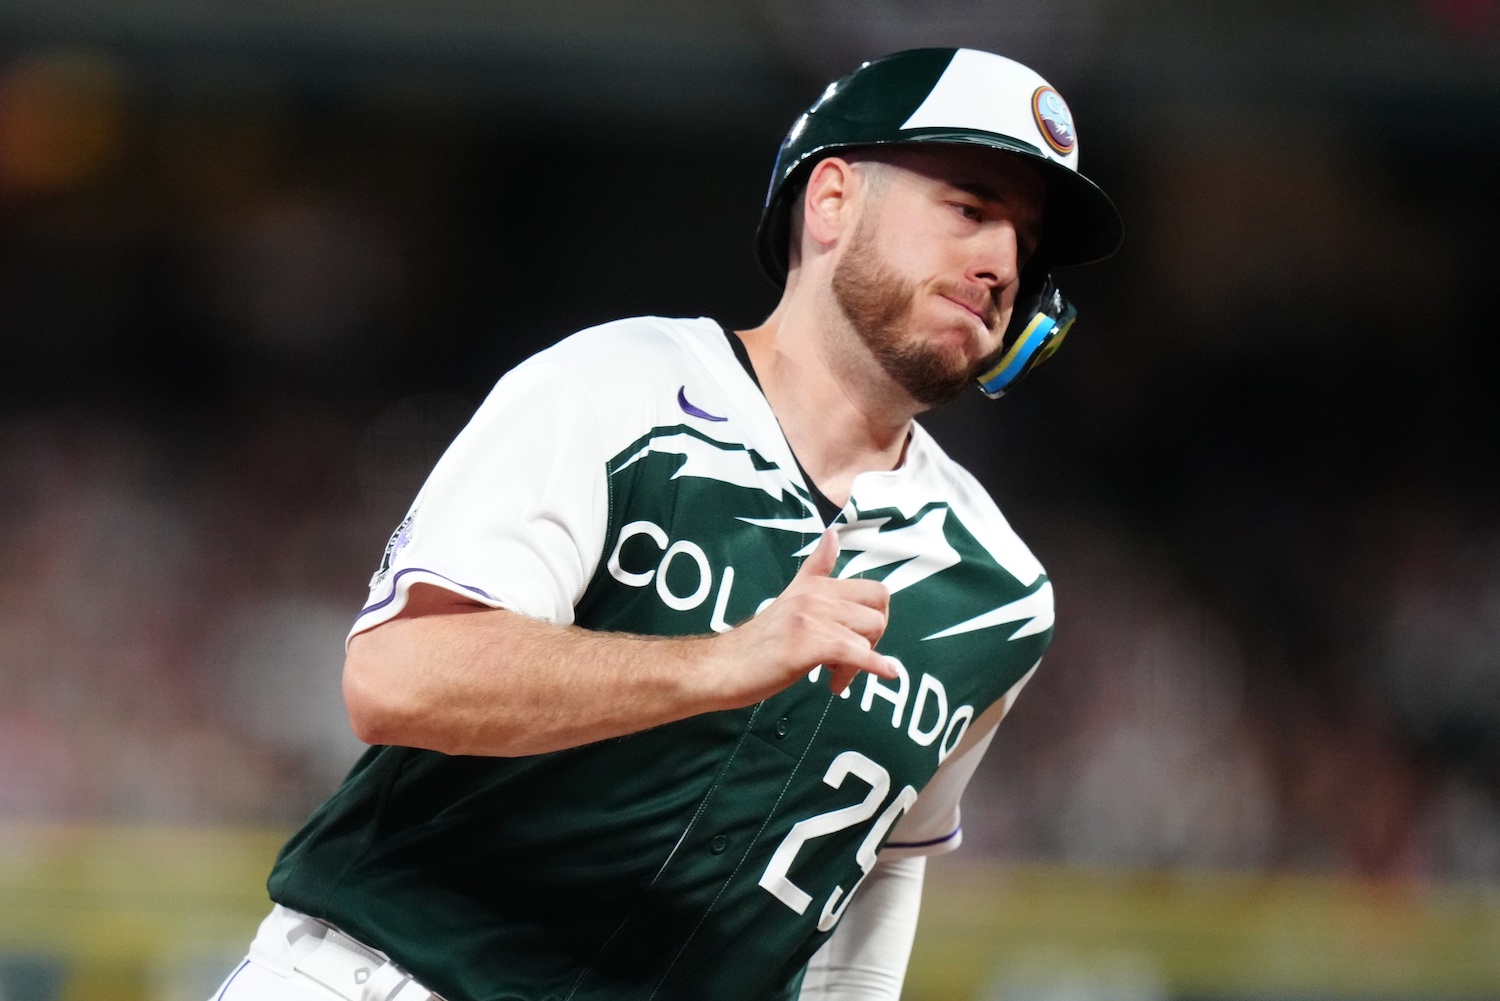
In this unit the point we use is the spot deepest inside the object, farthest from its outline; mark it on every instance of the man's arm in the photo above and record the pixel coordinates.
(865, 958)
(457, 677)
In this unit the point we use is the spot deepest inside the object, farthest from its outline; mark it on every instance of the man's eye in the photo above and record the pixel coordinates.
(970, 212)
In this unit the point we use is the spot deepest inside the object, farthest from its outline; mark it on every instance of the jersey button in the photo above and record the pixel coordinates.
(782, 726)
(718, 844)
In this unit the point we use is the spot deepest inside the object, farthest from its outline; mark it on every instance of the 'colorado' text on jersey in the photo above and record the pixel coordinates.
(634, 478)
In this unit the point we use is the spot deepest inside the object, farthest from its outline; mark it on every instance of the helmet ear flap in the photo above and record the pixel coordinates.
(1039, 321)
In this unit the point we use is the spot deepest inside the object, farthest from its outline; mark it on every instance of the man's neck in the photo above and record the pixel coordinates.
(841, 414)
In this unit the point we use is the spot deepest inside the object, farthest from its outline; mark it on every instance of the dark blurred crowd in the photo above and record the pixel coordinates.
(1160, 733)
(1261, 476)
(172, 622)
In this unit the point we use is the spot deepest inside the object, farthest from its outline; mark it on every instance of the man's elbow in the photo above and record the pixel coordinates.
(378, 712)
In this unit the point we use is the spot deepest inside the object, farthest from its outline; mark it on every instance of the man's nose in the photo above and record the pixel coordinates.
(996, 262)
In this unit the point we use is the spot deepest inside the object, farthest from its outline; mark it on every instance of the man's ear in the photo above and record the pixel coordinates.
(828, 202)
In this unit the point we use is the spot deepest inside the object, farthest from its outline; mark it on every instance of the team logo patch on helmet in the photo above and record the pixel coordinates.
(1054, 119)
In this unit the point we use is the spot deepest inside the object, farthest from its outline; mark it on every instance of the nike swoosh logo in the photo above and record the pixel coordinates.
(692, 411)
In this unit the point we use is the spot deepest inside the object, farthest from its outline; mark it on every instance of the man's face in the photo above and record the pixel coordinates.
(928, 278)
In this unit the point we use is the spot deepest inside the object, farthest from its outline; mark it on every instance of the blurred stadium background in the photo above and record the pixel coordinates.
(259, 261)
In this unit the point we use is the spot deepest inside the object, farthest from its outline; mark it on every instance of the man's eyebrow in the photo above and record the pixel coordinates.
(980, 189)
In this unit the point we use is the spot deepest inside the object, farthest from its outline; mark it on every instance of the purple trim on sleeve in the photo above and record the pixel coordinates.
(225, 989)
(394, 580)
(925, 844)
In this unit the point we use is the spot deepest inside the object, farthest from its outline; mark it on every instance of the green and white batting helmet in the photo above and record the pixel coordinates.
(955, 97)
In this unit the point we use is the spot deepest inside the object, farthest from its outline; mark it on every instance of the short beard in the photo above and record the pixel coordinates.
(878, 304)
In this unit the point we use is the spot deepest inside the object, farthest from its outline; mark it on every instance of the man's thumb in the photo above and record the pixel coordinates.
(819, 562)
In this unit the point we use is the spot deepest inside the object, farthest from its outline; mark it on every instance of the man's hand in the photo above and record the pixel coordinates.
(817, 620)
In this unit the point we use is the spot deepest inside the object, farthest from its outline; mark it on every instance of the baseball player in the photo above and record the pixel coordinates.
(678, 665)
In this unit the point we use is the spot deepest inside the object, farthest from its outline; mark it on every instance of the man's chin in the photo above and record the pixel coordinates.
(930, 380)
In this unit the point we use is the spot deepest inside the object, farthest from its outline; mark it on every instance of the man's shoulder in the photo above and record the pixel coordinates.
(644, 376)
(971, 501)
(934, 465)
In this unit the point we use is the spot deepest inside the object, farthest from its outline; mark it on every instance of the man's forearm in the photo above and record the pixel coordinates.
(461, 678)
(493, 682)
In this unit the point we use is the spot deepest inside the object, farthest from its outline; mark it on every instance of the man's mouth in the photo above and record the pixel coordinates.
(980, 307)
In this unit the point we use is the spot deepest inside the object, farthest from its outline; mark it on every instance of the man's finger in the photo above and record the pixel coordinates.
(819, 562)
(841, 676)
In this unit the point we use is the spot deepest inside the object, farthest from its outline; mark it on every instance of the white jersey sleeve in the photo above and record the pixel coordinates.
(514, 514)
(932, 826)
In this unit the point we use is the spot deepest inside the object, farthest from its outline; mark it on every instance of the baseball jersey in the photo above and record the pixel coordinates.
(634, 478)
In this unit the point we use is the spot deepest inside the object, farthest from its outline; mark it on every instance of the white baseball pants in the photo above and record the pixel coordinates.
(298, 958)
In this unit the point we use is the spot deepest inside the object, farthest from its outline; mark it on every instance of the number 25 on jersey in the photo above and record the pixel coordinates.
(776, 880)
